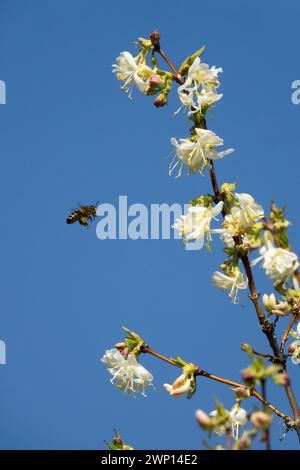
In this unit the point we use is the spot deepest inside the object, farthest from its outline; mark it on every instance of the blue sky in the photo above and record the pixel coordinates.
(69, 135)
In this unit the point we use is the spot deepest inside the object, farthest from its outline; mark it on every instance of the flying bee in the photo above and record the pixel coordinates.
(83, 215)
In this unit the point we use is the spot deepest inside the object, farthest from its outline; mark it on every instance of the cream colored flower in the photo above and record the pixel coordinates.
(196, 223)
(195, 101)
(133, 72)
(243, 216)
(280, 264)
(233, 283)
(237, 418)
(201, 74)
(197, 152)
(127, 374)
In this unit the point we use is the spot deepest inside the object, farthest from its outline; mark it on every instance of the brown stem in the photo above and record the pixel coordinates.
(287, 331)
(228, 440)
(266, 434)
(265, 355)
(147, 350)
(177, 75)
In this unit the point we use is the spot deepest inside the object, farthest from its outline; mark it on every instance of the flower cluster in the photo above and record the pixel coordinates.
(198, 92)
(196, 152)
(126, 373)
(241, 218)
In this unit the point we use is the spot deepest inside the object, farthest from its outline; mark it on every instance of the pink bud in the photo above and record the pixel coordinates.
(155, 80)
(261, 420)
(292, 348)
(248, 376)
(246, 347)
(161, 100)
(243, 443)
(242, 392)
(203, 419)
(155, 38)
(284, 379)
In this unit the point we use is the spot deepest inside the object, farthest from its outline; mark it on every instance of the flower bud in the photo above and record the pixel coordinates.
(155, 38)
(161, 100)
(155, 80)
(269, 301)
(248, 376)
(282, 379)
(292, 348)
(242, 444)
(242, 392)
(247, 348)
(261, 420)
(203, 419)
(154, 84)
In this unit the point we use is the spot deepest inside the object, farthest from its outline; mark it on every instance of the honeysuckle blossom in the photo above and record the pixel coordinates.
(196, 223)
(126, 373)
(196, 101)
(181, 386)
(294, 347)
(237, 418)
(201, 74)
(133, 72)
(280, 264)
(242, 216)
(235, 282)
(196, 152)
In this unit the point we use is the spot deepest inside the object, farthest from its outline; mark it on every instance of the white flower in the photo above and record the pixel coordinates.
(232, 283)
(195, 101)
(198, 91)
(200, 74)
(197, 153)
(196, 223)
(127, 374)
(279, 264)
(242, 217)
(180, 386)
(237, 417)
(250, 210)
(132, 72)
(207, 98)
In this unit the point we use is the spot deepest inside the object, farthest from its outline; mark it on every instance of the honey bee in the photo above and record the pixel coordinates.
(83, 215)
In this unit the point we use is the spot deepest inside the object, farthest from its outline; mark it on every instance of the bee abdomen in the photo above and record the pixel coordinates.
(72, 218)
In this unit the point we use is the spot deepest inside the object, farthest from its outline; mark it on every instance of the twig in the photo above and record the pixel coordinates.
(287, 331)
(266, 433)
(200, 372)
(265, 355)
(157, 48)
